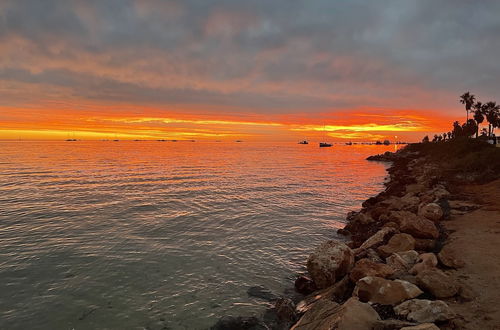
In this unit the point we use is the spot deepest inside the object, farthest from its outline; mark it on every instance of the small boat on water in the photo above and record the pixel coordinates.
(349, 143)
(324, 144)
(304, 142)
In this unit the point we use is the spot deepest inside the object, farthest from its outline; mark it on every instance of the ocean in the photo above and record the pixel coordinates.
(165, 235)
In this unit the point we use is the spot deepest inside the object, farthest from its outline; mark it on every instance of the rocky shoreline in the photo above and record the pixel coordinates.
(394, 273)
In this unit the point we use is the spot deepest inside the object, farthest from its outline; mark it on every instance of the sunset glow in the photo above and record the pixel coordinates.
(172, 69)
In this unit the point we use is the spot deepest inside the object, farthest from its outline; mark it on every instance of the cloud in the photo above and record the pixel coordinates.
(249, 57)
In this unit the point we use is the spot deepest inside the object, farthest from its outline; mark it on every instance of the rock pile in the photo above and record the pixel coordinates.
(387, 276)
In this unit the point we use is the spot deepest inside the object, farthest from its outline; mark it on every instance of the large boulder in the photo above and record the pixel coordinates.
(426, 261)
(449, 257)
(397, 243)
(425, 244)
(402, 261)
(431, 211)
(422, 310)
(366, 267)
(386, 292)
(326, 315)
(338, 292)
(437, 283)
(377, 239)
(418, 227)
(329, 263)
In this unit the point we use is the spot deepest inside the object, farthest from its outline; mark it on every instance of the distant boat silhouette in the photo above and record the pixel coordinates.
(349, 143)
(324, 144)
(71, 140)
(304, 142)
(238, 141)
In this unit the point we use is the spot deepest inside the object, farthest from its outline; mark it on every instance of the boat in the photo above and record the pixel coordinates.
(324, 144)
(304, 142)
(349, 143)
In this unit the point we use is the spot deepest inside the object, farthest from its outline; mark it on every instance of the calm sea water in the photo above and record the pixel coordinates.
(163, 235)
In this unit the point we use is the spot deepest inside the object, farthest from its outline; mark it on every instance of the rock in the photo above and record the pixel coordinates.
(391, 224)
(437, 282)
(377, 239)
(343, 231)
(326, 315)
(305, 285)
(402, 261)
(397, 243)
(418, 227)
(431, 211)
(240, 322)
(373, 256)
(423, 326)
(329, 263)
(422, 310)
(338, 292)
(415, 188)
(410, 202)
(448, 257)
(425, 261)
(386, 292)
(391, 324)
(439, 192)
(366, 267)
(262, 293)
(422, 244)
(285, 310)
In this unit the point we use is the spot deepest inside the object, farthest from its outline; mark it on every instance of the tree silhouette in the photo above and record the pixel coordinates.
(478, 115)
(467, 99)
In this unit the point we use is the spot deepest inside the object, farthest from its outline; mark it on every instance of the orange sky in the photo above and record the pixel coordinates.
(319, 70)
(148, 123)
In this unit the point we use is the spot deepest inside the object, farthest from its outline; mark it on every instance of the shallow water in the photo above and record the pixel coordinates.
(163, 235)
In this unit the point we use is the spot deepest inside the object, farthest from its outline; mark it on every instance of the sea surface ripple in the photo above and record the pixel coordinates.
(164, 235)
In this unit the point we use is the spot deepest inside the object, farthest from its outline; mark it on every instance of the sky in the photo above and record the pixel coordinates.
(243, 69)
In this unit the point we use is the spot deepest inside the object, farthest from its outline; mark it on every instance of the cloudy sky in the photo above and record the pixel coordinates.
(242, 68)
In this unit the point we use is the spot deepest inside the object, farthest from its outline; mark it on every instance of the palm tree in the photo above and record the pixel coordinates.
(478, 115)
(491, 111)
(467, 99)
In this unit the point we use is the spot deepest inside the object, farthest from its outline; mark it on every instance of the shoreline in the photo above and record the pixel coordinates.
(404, 266)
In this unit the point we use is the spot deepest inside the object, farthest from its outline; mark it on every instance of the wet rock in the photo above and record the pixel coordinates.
(418, 227)
(329, 262)
(431, 211)
(402, 261)
(422, 310)
(422, 244)
(305, 285)
(425, 261)
(449, 257)
(339, 292)
(343, 231)
(239, 322)
(391, 224)
(285, 310)
(377, 239)
(386, 292)
(327, 315)
(366, 267)
(437, 283)
(397, 243)
(423, 326)
(262, 293)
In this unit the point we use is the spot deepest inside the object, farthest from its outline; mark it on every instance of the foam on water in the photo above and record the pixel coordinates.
(133, 235)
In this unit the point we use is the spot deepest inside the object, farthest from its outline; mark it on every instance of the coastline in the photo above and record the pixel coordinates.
(411, 261)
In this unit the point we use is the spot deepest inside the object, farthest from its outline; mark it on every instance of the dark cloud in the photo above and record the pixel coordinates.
(265, 55)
